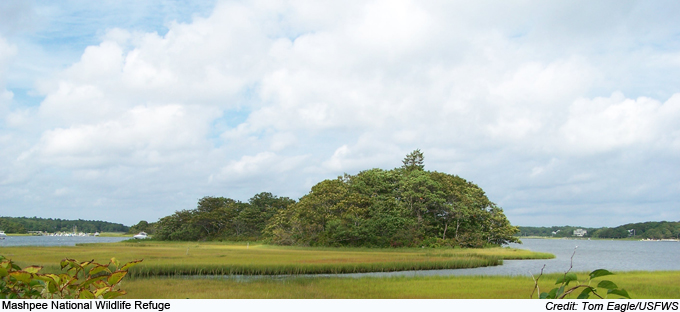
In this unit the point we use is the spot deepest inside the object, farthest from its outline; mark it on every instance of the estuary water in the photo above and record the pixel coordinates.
(56, 240)
(589, 255)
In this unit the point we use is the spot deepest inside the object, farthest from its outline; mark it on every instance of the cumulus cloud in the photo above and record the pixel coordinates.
(603, 124)
(261, 96)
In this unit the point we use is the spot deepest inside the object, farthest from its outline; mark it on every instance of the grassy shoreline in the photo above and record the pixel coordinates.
(214, 258)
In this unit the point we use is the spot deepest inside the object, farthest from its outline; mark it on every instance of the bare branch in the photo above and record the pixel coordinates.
(536, 283)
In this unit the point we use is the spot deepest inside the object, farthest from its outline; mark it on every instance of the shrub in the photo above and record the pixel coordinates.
(84, 280)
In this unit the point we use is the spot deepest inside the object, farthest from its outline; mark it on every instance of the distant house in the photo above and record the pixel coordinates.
(580, 232)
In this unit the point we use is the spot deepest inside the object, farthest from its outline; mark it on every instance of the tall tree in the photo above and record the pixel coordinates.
(414, 161)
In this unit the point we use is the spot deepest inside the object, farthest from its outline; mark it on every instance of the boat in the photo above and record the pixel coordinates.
(2, 235)
(96, 233)
(141, 235)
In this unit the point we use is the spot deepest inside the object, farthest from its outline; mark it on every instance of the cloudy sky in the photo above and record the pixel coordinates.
(565, 112)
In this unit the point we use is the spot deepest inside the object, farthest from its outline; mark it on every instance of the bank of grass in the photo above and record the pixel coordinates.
(214, 258)
(640, 285)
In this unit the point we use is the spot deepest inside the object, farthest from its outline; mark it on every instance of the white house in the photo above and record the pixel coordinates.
(580, 232)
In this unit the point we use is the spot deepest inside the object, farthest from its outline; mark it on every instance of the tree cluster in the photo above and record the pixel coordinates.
(221, 218)
(406, 206)
(23, 224)
(652, 230)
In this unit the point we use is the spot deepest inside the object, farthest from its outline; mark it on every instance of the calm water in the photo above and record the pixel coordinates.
(590, 255)
(56, 240)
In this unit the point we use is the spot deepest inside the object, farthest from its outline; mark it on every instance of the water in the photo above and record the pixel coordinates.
(613, 255)
(56, 240)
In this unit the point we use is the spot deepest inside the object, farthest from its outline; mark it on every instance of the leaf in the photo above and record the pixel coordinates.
(21, 276)
(559, 292)
(33, 269)
(620, 292)
(552, 294)
(113, 294)
(607, 285)
(50, 278)
(544, 295)
(115, 262)
(100, 291)
(6, 264)
(92, 280)
(585, 294)
(599, 272)
(86, 294)
(65, 262)
(116, 277)
(52, 287)
(130, 264)
(3, 272)
(566, 278)
(100, 268)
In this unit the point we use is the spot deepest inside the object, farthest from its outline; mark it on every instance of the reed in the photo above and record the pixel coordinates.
(145, 271)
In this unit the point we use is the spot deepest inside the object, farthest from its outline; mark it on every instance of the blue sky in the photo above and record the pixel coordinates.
(565, 112)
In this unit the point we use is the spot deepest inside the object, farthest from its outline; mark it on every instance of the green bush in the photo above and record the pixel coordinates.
(84, 280)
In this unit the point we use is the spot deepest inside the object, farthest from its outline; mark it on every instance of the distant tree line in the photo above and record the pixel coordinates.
(24, 224)
(652, 230)
(405, 206)
(553, 231)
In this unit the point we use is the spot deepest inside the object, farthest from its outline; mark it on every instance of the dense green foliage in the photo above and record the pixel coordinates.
(222, 218)
(23, 225)
(406, 206)
(81, 280)
(651, 230)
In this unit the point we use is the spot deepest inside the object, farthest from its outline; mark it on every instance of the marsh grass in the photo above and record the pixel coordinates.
(327, 268)
(213, 258)
(640, 285)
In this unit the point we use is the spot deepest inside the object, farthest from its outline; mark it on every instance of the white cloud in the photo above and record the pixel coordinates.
(276, 96)
(604, 124)
(141, 136)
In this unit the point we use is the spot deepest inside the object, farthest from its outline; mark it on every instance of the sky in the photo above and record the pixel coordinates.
(564, 112)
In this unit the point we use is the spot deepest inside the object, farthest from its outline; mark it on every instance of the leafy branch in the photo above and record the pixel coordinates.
(84, 280)
(564, 289)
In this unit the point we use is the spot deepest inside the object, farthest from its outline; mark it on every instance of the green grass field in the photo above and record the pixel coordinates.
(208, 258)
(640, 285)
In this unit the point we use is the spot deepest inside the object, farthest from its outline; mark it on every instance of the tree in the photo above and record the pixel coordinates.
(414, 161)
